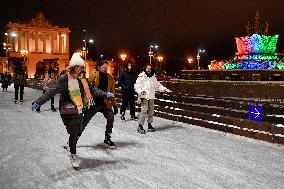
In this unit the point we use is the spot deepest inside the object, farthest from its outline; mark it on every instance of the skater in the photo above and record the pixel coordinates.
(146, 85)
(126, 81)
(76, 103)
(105, 82)
(6, 79)
(49, 81)
(19, 80)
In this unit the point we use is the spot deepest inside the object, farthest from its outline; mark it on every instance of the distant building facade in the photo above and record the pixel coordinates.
(42, 46)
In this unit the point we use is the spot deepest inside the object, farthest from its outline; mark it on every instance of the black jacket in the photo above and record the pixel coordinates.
(126, 81)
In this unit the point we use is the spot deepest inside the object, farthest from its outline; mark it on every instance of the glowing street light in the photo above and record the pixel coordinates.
(199, 52)
(189, 60)
(24, 53)
(123, 57)
(150, 50)
(8, 47)
(160, 58)
(85, 42)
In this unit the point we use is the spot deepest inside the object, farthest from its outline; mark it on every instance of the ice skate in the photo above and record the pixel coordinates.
(53, 109)
(150, 128)
(122, 117)
(133, 117)
(108, 141)
(75, 162)
(141, 130)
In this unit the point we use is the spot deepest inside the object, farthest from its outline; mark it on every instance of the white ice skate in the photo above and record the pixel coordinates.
(75, 162)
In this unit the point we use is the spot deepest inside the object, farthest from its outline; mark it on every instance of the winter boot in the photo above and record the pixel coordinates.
(134, 117)
(52, 108)
(141, 130)
(75, 162)
(108, 141)
(122, 116)
(150, 128)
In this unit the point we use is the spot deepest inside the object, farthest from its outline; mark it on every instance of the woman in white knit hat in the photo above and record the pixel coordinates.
(76, 103)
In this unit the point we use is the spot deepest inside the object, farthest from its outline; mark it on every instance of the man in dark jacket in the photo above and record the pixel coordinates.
(105, 82)
(6, 79)
(19, 80)
(76, 104)
(126, 81)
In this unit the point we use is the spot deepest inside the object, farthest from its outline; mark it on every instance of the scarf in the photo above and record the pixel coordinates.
(75, 93)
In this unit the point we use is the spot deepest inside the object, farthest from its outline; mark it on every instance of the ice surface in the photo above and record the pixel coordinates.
(177, 155)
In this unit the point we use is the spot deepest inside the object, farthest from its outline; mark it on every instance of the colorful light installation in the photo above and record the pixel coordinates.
(256, 47)
(268, 64)
(254, 52)
(216, 65)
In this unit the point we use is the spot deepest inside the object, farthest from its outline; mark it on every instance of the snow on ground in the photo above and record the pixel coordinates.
(177, 155)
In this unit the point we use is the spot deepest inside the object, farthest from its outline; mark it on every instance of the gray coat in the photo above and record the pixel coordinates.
(61, 87)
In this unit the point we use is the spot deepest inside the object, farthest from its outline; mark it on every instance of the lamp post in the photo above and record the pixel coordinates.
(7, 47)
(24, 54)
(199, 52)
(160, 59)
(150, 50)
(85, 44)
(123, 57)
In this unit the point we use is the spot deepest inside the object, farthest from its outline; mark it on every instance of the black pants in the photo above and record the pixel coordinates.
(128, 97)
(17, 87)
(76, 124)
(52, 99)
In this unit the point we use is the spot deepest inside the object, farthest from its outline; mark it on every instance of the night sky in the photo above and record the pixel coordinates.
(179, 27)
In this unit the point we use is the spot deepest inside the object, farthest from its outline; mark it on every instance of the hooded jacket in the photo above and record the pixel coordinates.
(149, 85)
(126, 81)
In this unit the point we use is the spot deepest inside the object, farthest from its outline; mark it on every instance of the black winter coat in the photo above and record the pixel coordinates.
(126, 81)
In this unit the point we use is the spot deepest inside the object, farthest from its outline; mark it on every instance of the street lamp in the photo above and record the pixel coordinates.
(150, 50)
(160, 59)
(123, 57)
(8, 47)
(189, 60)
(199, 52)
(24, 53)
(85, 44)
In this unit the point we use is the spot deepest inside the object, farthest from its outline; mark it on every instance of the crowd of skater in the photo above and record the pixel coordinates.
(81, 98)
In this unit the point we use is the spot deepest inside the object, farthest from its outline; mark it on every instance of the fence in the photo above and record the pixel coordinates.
(224, 114)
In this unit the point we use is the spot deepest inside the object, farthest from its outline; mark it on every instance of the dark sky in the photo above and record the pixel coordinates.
(180, 27)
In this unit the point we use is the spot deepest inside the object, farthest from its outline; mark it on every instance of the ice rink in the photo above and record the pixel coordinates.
(177, 155)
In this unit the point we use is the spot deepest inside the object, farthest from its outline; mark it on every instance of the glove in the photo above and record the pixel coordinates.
(35, 106)
(109, 95)
(168, 90)
(143, 92)
(115, 110)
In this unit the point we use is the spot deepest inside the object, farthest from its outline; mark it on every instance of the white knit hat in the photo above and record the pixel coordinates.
(76, 60)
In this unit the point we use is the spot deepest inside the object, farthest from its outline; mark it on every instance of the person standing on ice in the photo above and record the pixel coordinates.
(19, 80)
(126, 81)
(105, 82)
(76, 104)
(146, 85)
(49, 81)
